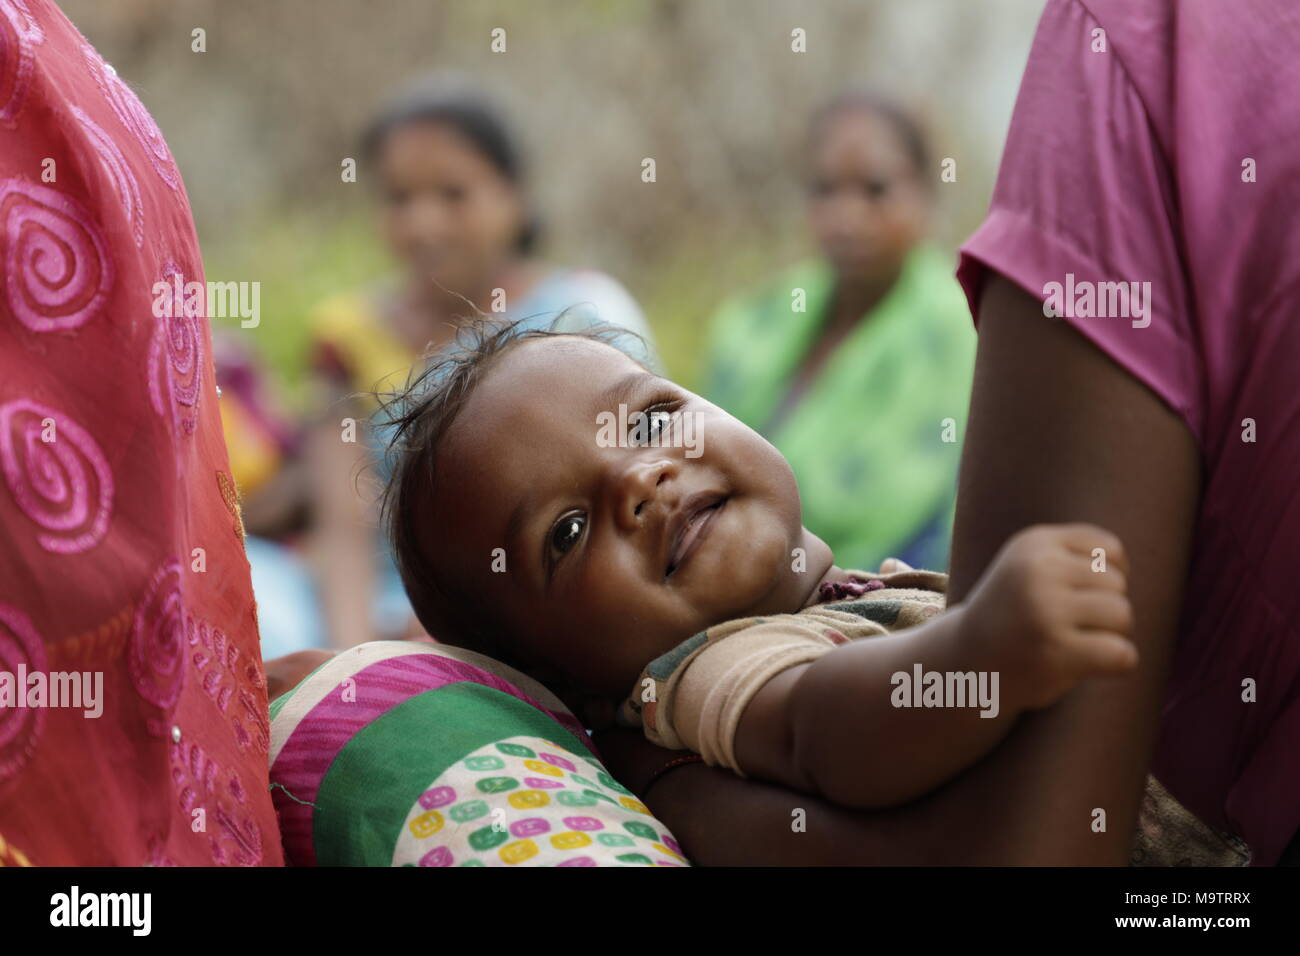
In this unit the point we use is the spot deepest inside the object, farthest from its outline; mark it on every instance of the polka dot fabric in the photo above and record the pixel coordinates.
(410, 754)
(529, 800)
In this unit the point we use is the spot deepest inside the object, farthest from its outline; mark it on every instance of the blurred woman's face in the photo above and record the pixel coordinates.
(449, 214)
(867, 204)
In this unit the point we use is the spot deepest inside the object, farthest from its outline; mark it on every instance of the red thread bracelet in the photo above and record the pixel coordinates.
(671, 765)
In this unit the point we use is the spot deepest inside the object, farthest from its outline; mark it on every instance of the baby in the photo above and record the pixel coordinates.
(675, 581)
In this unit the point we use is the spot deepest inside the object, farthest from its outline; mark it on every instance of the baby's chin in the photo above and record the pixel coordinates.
(769, 579)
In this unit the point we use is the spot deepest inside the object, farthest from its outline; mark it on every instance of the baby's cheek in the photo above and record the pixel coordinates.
(762, 534)
(590, 646)
(629, 640)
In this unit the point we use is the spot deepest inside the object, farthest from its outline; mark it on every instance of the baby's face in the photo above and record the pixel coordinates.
(612, 555)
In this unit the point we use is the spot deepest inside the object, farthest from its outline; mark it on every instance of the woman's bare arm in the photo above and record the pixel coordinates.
(344, 541)
(721, 819)
(1059, 432)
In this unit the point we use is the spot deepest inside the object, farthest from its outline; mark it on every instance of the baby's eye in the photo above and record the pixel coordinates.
(566, 533)
(654, 420)
(659, 421)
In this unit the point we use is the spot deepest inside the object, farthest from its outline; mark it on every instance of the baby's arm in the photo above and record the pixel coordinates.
(1041, 619)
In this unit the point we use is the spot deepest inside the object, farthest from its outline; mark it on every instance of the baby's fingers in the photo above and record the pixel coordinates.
(1085, 575)
(1096, 543)
(1102, 653)
(1102, 611)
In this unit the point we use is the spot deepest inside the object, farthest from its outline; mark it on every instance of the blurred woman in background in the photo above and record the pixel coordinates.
(458, 219)
(857, 364)
(269, 471)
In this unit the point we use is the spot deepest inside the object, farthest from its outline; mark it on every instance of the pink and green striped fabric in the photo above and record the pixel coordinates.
(398, 753)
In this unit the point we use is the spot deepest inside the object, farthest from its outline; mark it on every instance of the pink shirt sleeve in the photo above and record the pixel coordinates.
(1158, 144)
(1084, 197)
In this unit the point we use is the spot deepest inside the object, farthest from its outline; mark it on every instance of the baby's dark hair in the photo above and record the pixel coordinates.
(419, 416)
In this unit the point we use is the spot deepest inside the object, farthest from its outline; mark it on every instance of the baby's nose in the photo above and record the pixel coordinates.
(638, 484)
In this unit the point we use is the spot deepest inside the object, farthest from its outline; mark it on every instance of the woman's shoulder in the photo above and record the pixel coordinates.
(586, 289)
(583, 278)
(576, 298)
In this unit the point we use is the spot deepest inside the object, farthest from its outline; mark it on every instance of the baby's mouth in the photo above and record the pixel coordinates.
(688, 527)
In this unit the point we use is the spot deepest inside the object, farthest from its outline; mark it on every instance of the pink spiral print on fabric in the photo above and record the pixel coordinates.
(19, 32)
(57, 269)
(229, 679)
(119, 174)
(176, 352)
(57, 474)
(132, 115)
(23, 19)
(200, 783)
(157, 639)
(20, 727)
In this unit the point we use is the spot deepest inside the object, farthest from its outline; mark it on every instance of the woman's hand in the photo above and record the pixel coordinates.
(630, 758)
(283, 674)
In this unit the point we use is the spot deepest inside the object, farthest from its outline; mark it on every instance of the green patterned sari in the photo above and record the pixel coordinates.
(875, 439)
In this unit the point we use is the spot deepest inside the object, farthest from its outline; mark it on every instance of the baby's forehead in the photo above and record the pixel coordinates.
(530, 415)
(566, 373)
(535, 387)
(572, 360)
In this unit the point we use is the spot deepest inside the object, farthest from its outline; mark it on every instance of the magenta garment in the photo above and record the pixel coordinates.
(1132, 165)
(121, 544)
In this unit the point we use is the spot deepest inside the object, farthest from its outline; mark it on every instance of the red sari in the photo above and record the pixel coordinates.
(121, 545)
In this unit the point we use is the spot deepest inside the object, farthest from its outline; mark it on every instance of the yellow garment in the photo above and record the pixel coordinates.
(254, 455)
(375, 358)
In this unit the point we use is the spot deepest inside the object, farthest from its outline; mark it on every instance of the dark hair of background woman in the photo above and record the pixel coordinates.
(453, 103)
(908, 130)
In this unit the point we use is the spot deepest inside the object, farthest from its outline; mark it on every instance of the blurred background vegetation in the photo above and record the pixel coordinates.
(261, 121)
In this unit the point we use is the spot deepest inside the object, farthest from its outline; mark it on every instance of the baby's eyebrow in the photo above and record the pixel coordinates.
(622, 390)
